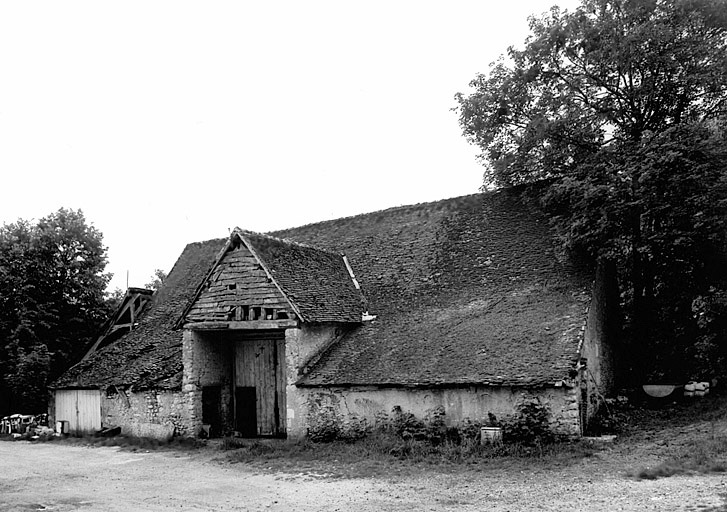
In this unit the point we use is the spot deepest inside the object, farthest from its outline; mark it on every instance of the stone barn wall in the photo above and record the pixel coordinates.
(473, 403)
(302, 347)
(154, 413)
(598, 367)
(206, 357)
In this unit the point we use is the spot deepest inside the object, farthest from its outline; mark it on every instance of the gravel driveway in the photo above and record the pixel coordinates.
(53, 476)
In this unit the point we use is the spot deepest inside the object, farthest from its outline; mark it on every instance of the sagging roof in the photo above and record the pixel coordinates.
(469, 290)
(150, 355)
(123, 319)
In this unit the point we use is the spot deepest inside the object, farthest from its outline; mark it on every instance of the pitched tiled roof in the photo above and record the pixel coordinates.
(466, 290)
(150, 355)
(317, 282)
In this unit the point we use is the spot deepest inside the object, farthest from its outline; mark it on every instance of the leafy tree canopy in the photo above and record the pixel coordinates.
(612, 71)
(621, 106)
(52, 302)
(156, 280)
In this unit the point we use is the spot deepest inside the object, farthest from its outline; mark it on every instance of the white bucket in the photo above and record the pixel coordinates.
(490, 435)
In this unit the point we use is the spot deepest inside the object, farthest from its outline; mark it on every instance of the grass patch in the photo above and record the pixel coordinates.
(646, 417)
(699, 456)
(382, 454)
(126, 442)
(137, 443)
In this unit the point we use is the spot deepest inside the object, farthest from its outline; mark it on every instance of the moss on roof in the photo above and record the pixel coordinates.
(150, 355)
(465, 290)
(316, 281)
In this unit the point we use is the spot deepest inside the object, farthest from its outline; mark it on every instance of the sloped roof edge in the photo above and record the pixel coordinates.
(178, 324)
(245, 240)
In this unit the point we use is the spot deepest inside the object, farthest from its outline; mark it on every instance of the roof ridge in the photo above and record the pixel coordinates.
(393, 208)
(287, 241)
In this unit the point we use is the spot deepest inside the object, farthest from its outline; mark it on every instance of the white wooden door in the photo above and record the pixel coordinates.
(81, 408)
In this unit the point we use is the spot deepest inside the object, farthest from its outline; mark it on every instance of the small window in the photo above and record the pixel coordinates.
(232, 286)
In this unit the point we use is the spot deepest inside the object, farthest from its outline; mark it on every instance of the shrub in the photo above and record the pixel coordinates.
(324, 425)
(611, 418)
(354, 428)
(469, 430)
(529, 426)
(406, 425)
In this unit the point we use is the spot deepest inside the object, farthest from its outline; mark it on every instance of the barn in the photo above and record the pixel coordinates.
(465, 304)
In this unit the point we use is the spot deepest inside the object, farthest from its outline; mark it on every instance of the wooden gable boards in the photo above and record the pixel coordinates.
(239, 288)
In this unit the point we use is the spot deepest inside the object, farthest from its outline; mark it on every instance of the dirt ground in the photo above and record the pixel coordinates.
(60, 477)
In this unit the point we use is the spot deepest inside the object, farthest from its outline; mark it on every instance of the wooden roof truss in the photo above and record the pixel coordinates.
(125, 318)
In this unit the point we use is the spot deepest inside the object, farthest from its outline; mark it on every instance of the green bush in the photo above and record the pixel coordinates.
(324, 425)
(354, 428)
(530, 426)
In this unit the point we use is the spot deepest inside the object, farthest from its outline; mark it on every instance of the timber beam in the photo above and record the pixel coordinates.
(244, 325)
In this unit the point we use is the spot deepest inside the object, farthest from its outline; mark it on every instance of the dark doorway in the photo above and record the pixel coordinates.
(246, 411)
(212, 410)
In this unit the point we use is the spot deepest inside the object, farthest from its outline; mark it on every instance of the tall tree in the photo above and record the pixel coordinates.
(623, 104)
(52, 302)
(156, 280)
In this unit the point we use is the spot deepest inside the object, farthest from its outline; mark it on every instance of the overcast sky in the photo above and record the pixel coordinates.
(173, 122)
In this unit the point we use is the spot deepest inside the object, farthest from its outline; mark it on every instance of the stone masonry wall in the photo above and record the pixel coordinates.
(153, 413)
(598, 369)
(302, 345)
(206, 362)
(473, 403)
(206, 359)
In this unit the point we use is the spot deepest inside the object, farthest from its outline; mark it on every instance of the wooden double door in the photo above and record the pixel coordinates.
(259, 381)
(81, 408)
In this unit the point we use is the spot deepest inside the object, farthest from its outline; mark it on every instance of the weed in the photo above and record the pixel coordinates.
(698, 456)
(381, 450)
(610, 419)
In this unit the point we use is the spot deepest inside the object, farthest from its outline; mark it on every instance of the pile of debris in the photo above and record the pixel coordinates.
(18, 425)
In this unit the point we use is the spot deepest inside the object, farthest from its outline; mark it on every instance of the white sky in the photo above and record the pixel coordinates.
(170, 122)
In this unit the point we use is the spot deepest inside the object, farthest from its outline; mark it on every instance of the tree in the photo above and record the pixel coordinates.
(621, 104)
(52, 302)
(156, 280)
